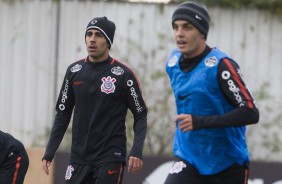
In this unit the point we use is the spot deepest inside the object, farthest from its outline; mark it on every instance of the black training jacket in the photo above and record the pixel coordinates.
(100, 95)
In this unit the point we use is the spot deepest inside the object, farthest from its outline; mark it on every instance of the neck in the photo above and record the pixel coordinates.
(98, 59)
(196, 52)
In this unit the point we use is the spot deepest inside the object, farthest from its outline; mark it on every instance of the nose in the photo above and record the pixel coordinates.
(179, 32)
(92, 38)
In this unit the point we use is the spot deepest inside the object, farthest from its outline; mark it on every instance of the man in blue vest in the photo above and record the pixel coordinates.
(213, 104)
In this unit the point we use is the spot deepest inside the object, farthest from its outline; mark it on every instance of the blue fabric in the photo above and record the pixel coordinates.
(198, 93)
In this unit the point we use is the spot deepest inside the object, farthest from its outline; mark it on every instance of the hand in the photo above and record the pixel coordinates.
(185, 122)
(46, 165)
(134, 165)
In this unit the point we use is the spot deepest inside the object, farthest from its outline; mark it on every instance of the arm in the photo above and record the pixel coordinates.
(64, 107)
(3, 149)
(138, 107)
(236, 93)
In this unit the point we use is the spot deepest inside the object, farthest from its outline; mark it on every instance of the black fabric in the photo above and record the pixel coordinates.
(104, 25)
(13, 158)
(110, 173)
(235, 174)
(188, 65)
(195, 13)
(100, 94)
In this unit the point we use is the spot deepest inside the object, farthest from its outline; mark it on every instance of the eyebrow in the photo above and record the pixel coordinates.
(94, 31)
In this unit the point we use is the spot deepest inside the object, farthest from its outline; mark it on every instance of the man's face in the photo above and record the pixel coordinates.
(189, 40)
(97, 45)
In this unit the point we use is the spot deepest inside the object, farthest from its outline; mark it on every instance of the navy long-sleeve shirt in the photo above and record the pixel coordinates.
(99, 95)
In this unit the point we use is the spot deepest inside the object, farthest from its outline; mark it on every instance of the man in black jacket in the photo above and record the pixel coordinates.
(13, 160)
(100, 89)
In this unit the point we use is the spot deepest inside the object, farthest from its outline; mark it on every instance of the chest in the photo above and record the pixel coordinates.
(201, 78)
(99, 82)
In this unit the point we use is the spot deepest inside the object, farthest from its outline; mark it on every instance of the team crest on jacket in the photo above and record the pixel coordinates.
(211, 61)
(76, 68)
(108, 85)
(173, 60)
(117, 70)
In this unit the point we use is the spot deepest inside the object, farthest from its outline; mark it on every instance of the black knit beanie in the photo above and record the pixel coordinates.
(195, 13)
(104, 25)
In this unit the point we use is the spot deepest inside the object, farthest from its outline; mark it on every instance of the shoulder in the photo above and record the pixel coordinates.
(2, 138)
(121, 68)
(228, 63)
(221, 57)
(75, 66)
(173, 57)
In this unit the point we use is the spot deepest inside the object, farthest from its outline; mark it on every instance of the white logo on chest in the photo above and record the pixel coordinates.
(210, 62)
(108, 85)
(172, 61)
(117, 70)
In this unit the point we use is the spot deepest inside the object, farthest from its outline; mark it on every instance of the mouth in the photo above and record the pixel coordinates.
(181, 43)
(92, 48)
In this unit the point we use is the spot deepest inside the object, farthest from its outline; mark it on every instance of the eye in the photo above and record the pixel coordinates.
(89, 34)
(174, 27)
(99, 34)
(188, 27)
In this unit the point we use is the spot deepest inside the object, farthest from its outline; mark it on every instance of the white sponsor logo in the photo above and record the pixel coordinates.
(134, 95)
(62, 107)
(117, 70)
(65, 95)
(198, 17)
(172, 61)
(129, 83)
(240, 73)
(93, 22)
(211, 61)
(117, 154)
(108, 85)
(225, 75)
(177, 167)
(69, 171)
(76, 68)
(232, 87)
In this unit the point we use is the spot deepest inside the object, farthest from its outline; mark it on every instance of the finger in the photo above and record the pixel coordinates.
(184, 126)
(139, 165)
(180, 117)
(45, 168)
(46, 165)
(136, 165)
(130, 165)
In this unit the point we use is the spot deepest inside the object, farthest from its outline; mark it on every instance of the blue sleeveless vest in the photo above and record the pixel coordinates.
(197, 92)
